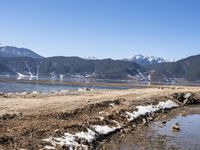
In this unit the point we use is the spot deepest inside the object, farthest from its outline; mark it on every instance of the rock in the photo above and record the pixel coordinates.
(54, 92)
(64, 147)
(188, 95)
(164, 122)
(88, 101)
(34, 93)
(7, 95)
(144, 121)
(1, 93)
(84, 89)
(101, 118)
(8, 116)
(185, 98)
(125, 130)
(179, 96)
(184, 113)
(150, 118)
(64, 91)
(176, 127)
(5, 140)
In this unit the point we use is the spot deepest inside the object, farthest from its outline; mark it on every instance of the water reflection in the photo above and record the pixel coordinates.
(189, 135)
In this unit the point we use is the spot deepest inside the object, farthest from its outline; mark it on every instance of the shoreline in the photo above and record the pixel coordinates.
(103, 83)
(45, 117)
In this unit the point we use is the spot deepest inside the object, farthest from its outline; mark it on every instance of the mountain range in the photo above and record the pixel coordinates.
(11, 51)
(24, 62)
(147, 60)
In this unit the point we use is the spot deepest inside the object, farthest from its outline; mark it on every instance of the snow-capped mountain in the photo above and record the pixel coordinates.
(147, 60)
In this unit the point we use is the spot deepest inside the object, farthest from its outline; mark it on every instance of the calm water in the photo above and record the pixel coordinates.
(189, 135)
(14, 87)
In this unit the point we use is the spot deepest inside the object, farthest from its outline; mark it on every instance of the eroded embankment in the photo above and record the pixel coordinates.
(84, 128)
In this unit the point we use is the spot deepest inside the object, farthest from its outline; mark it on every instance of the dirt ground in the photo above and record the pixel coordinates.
(25, 121)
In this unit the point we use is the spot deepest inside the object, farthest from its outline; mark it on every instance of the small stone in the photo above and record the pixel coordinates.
(88, 101)
(176, 127)
(184, 113)
(126, 130)
(144, 121)
(134, 125)
(150, 118)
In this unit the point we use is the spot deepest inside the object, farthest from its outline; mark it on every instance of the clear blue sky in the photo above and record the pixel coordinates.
(102, 28)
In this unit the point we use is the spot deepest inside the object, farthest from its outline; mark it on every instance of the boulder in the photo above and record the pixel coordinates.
(185, 98)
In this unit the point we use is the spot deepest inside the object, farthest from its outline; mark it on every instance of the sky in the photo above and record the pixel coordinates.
(102, 28)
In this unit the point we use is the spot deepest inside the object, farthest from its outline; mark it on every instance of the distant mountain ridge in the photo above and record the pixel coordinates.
(11, 51)
(71, 67)
(186, 69)
(147, 60)
(24, 62)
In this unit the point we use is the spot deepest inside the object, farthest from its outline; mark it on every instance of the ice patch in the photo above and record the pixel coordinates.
(69, 140)
(167, 105)
(49, 147)
(112, 104)
(89, 136)
(144, 110)
(20, 75)
(104, 129)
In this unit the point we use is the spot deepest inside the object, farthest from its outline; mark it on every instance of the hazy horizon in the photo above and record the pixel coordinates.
(104, 29)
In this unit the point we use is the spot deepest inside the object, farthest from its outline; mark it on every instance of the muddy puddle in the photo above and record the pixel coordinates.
(159, 134)
(188, 137)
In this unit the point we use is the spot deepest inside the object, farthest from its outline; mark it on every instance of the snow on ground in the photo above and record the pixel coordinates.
(49, 147)
(21, 75)
(89, 136)
(143, 110)
(103, 130)
(70, 140)
(67, 139)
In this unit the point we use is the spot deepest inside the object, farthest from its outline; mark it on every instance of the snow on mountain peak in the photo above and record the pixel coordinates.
(146, 60)
(90, 58)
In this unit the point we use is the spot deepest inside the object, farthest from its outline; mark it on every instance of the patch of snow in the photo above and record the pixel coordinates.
(61, 77)
(89, 136)
(167, 105)
(67, 139)
(70, 140)
(49, 147)
(30, 76)
(141, 75)
(148, 59)
(144, 110)
(104, 129)
(112, 104)
(90, 58)
(21, 75)
(101, 118)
